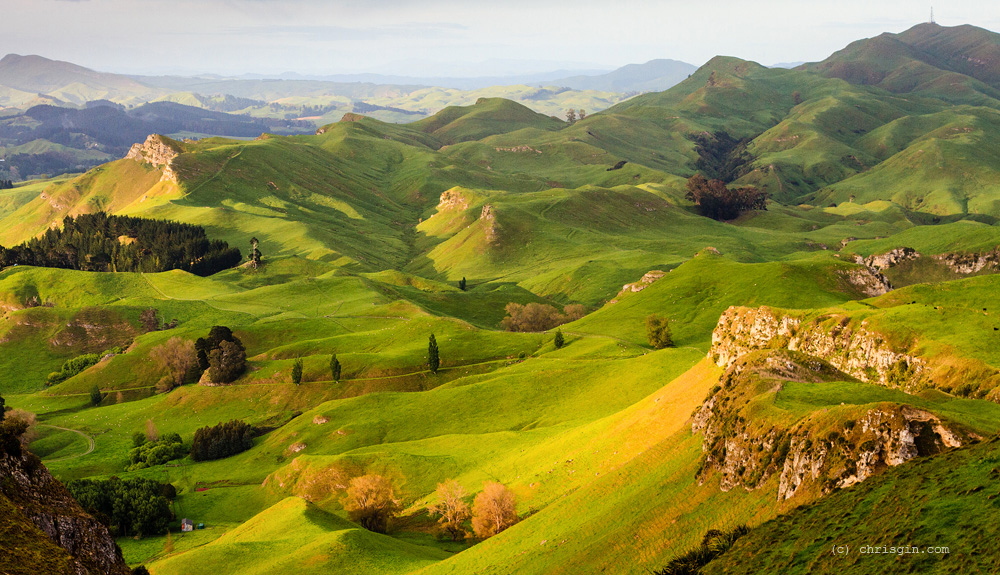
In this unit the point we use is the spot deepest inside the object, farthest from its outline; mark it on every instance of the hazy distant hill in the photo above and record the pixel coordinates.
(654, 75)
(958, 64)
(68, 82)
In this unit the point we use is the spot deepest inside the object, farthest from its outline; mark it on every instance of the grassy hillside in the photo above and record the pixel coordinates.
(924, 517)
(368, 230)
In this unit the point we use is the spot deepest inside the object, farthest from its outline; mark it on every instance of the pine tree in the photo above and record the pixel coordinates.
(334, 367)
(95, 395)
(297, 372)
(558, 340)
(433, 360)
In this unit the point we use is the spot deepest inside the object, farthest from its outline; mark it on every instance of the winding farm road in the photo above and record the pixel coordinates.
(89, 439)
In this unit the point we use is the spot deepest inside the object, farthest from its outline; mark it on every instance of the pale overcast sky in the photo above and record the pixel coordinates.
(449, 37)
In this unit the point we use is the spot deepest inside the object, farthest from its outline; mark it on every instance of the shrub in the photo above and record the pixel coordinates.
(370, 501)
(297, 372)
(222, 440)
(558, 340)
(152, 453)
(713, 544)
(493, 510)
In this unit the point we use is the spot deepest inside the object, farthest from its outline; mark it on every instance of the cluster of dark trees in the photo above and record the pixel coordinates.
(6, 184)
(151, 453)
(720, 202)
(222, 440)
(222, 354)
(128, 507)
(102, 242)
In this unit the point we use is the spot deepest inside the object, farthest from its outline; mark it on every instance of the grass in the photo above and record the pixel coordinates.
(366, 230)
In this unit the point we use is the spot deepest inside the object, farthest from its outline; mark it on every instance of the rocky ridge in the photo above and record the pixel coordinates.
(813, 455)
(27, 487)
(851, 347)
(159, 151)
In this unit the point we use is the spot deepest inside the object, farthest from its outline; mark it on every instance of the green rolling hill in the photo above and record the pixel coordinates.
(802, 392)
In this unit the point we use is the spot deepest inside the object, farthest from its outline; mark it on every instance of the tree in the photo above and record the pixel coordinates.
(149, 318)
(371, 502)
(571, 115)
(254, 253)
(227, 363)
(297, 372)
(538, 316)
(222, 440)
(177, 357)
(451, 508)
(433, 360)
(461, 284)
(152, 434)
(716, 201)
(558, 340)
(334, 367)
(494, 509)
(96, 396)
(658, 332)
(582, 113)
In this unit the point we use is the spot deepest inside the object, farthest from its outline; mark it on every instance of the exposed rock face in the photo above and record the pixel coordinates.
(452, 200)
(159, 151)
(966, 264)
(853, 349)
(644, 282)
(868, 282)
(814, 454)
(884, 437)
(47, 504)
(891, 258)
(490, 219)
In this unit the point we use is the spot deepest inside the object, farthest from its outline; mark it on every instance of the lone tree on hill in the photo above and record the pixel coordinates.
(461, 284)
(297, 372)
(571, 115)
(254, 253)
(582, 113)
(719, 202)
(493, 510)
(452, 508)
(334, 367)
(371, 502)
(658, 332)
(96, 396)
(433, 359)
(558, 340)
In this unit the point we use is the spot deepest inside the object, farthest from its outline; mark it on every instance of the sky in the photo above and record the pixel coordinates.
(449, 37)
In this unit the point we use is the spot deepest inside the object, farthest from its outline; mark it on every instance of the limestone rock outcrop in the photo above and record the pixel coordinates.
(158, 151)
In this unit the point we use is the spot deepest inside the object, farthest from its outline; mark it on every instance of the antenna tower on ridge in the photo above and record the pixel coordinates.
(932, 16)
